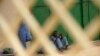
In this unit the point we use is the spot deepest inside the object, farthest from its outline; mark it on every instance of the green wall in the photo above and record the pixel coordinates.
(83, 13)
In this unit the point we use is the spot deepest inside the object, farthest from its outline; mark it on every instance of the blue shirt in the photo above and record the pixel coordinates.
(24, 34)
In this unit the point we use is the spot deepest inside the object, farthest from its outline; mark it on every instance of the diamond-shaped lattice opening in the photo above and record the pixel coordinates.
(76, 12)
(41, 13)
(92, 11)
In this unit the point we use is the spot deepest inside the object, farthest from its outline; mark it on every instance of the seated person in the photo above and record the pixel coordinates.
(24, 34)
(59, 40)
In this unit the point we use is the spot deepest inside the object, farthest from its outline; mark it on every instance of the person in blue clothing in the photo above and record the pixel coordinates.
(24, 34)
(59, 41)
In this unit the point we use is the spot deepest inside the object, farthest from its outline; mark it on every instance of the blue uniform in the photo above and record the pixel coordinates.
(24, 34)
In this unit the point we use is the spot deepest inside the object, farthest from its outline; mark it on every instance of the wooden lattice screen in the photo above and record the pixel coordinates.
(83, 38)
